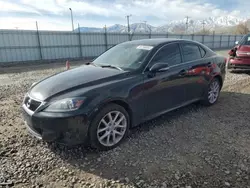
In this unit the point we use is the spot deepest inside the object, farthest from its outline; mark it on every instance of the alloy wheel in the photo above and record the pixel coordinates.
(214, 91)
(112, 128)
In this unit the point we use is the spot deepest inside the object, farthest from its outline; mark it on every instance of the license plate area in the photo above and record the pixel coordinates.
(29, 126)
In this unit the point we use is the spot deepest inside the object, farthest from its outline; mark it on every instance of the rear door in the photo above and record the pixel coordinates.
(197, 66)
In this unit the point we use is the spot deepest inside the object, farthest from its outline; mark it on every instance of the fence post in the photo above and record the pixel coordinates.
(228, 41)
(202, 39)
(149, 34)
(213, 40)
(220, 40)
(106, 38)
(192, 36)
(129, 37)
(39, 43)
(167, 35)
(80, 42)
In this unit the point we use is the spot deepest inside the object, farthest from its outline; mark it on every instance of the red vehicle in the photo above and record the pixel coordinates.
(240, 55)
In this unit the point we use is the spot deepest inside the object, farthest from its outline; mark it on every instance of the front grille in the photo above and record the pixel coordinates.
(31, 103)
(242, 65)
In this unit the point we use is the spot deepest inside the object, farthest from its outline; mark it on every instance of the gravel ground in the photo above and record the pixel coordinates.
(191, 147)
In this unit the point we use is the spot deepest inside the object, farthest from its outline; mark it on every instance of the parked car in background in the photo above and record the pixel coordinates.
(128, 84)
(240, 55)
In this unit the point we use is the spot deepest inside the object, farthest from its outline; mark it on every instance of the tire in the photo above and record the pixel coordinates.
(208, 99)
(103, 129)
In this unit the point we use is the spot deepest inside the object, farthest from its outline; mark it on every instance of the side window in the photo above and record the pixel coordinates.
(191, 52)
(203, 52)
(169, 54)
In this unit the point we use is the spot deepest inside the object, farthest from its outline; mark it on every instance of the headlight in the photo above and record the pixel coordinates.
(65, 105)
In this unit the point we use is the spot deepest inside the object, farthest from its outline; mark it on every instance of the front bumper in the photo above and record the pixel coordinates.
(239, 64)
(63, 128)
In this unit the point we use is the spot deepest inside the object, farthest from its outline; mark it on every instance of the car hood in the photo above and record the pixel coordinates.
(243, 51)
(83, 76)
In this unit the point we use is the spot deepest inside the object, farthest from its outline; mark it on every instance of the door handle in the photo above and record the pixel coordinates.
(183, 72)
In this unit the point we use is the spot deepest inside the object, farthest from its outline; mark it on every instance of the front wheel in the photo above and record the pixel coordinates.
(109, 127)
(213, 92)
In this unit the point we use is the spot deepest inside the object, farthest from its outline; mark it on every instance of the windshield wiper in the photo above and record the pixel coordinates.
(111, 66)
(91, 63)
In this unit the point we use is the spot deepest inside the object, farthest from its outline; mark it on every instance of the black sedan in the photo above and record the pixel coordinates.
(97, 103)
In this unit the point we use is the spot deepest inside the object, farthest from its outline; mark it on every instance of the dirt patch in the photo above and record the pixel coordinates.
(194, 146)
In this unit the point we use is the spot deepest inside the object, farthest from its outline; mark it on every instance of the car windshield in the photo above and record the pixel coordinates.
(126, 56)
(245, 40)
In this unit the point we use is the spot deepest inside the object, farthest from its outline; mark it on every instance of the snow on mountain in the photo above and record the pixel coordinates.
(141, 28)
(173, 26)
(117, 28)
(197, 25)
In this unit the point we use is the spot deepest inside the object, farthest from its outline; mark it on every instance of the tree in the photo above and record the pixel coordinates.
(204, 32)
(241, 29)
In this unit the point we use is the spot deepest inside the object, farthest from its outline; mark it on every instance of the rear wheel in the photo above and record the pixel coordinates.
(109, 127)
(213, 92)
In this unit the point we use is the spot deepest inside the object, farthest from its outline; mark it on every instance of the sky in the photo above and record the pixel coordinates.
(55, 14)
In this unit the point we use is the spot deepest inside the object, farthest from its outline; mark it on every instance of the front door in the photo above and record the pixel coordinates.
(164, 91)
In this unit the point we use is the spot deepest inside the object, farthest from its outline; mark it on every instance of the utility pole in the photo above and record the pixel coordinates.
(39, 42)
(203, 26)
(105, 37)
(72, 21)
(187, 17)
(128, 16)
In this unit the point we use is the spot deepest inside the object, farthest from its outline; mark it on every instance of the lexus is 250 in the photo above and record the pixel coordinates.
(98, 102)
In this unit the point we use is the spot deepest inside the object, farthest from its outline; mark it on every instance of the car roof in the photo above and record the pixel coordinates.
(163, 41)
(155, 42)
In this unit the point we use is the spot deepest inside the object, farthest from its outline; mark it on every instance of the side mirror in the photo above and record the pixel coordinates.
(159, 67)
(237, 42)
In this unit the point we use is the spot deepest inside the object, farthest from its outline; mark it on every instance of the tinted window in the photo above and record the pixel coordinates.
(203, 52)
(169, 54)
(191, 52)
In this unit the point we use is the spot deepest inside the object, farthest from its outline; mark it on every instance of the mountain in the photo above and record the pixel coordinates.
(117, 28)
(211, 24)
(141, 28)
(135, 27)
(222, 23)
